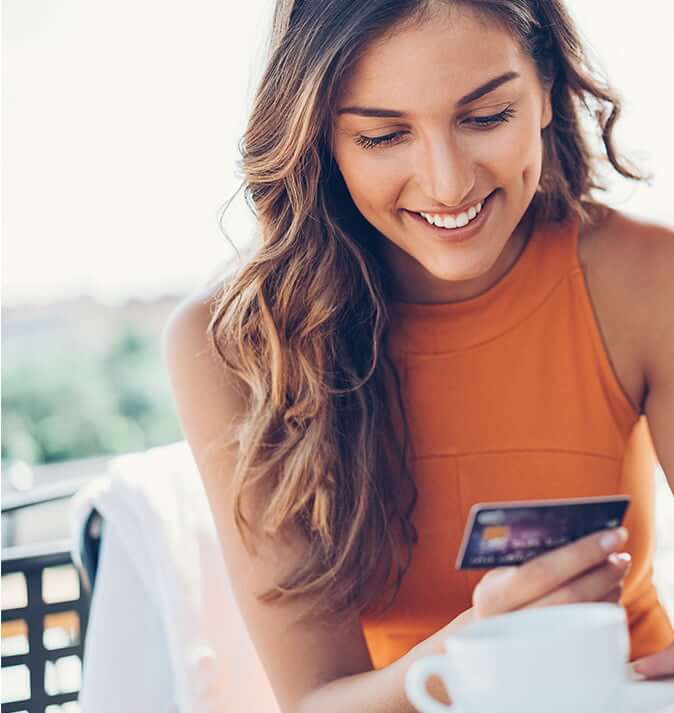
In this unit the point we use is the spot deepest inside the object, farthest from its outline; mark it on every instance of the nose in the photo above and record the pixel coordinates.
(445, 172)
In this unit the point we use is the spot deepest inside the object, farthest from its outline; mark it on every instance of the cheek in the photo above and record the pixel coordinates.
(373, 181)
(527, 157)
(512, 151)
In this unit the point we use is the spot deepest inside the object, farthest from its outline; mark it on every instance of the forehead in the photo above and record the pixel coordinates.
(454, 50)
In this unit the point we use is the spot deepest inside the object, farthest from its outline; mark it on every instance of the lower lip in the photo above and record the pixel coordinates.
(458, 235)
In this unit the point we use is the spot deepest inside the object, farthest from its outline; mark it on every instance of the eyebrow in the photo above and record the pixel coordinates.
(467, 99)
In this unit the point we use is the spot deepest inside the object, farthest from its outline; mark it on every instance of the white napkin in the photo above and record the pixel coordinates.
(165, 632)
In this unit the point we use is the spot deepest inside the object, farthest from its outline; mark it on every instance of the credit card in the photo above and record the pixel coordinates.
(510, 533)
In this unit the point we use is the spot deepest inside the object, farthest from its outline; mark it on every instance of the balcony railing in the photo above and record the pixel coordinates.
(44, 624)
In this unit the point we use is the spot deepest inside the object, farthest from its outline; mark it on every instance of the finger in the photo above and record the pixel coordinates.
(656, 665)
(512, 587)
(593, 586)
(614, 595)
(622, 561)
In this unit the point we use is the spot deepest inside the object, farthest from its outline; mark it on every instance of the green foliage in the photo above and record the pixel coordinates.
(78, 404)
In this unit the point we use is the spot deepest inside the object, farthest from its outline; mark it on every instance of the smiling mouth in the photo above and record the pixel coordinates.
(453, 221)
(467, 227)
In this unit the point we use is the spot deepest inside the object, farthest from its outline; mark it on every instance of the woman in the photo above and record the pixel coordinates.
(437, 313)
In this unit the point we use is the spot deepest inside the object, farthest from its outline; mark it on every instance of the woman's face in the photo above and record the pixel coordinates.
(435, 148)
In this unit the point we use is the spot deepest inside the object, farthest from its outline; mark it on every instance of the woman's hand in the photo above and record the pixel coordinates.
(656, 665)
(588, 570)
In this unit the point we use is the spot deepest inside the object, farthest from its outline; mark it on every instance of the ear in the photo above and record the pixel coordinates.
(546, 112)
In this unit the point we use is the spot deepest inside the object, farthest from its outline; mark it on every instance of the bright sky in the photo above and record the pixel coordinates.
(121, 122)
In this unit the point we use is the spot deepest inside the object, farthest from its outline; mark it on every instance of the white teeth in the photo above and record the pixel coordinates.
(449, 221)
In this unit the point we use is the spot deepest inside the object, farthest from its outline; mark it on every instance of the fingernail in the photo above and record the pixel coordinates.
(621, 558)
(610, 540)
(635, 666)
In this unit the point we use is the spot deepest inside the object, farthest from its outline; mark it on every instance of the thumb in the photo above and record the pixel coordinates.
(659, 664)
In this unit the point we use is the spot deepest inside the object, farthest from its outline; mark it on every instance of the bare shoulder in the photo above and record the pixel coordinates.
(203, 389)
(193, 367)
(625, 246)
(629, 265)
(187, 324)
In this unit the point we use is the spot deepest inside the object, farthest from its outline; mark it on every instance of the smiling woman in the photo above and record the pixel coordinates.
(448, 150)
(439, 312)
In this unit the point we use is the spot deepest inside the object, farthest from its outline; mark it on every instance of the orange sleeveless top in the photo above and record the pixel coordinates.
(510, 395)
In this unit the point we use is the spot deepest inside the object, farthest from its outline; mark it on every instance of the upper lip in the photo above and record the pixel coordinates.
(453, 211)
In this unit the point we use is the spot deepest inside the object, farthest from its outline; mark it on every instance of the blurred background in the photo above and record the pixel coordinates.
(120, 130)
(120, 125)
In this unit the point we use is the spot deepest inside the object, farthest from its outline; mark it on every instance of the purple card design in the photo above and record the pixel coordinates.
(506, 534)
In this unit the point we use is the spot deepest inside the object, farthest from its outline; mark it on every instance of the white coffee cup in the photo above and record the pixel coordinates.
(554, 659)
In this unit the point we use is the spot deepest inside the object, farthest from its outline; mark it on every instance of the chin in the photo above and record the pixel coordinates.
(455, 273)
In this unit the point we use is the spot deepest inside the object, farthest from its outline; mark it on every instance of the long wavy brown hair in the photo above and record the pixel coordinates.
(302, 324)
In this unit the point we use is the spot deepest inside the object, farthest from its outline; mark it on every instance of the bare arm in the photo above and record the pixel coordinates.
(315, 667)
(657, 314)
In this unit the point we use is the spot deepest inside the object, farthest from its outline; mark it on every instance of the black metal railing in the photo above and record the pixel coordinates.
(26, 628)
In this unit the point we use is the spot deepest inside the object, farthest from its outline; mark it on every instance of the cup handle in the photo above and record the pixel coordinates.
(415, 685)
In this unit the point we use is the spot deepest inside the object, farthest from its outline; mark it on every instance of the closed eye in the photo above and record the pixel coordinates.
(499, 118)
(369, 142)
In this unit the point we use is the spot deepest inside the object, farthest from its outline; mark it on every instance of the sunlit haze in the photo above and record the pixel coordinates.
(121, 123)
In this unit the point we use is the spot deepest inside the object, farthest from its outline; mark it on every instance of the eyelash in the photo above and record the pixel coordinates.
(369, 142)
